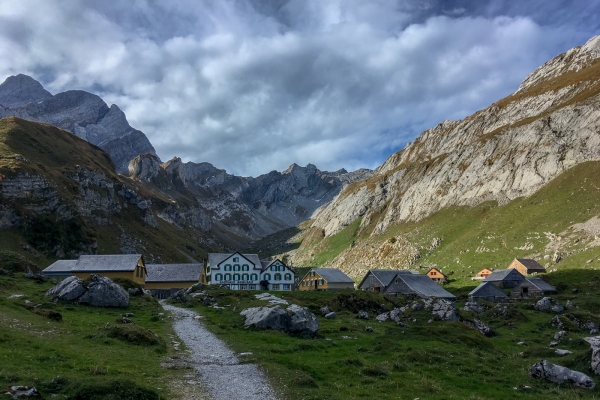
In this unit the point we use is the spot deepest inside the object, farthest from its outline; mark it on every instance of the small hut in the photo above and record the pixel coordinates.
(505, 278)
(489, 292)
(532, 287)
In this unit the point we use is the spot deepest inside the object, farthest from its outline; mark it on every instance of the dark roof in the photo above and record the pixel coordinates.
(510, 274)
(332, 275)
(214, 259)
(543, 285)
(60, 266)
(531, 265)
(173, 272)
(487, 289)
(107, 262)
(385, 276)
(424, 286)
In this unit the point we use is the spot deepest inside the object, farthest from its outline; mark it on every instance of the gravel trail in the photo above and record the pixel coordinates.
(219, 368)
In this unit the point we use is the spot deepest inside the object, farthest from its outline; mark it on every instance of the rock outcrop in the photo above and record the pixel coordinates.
(556, 373)
(293, 319)
(77, 111)
(509, 150)
(595, 344)
(98, 291)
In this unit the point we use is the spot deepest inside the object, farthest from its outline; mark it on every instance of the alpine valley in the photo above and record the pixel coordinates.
(520, 178)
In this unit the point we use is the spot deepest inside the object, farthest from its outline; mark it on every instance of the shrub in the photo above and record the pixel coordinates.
(134, 334)
(14, 262)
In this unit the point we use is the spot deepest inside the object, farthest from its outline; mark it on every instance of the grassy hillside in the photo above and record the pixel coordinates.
(75, 351)
(427, 359)
(489, 235)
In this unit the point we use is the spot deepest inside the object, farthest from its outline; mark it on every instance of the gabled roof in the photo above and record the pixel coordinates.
(60, 266)
(531, 265)
(433, 268)
(385, 276)
(215, 259)
(541, 284)
(510, 274)
(424, 286)
(173, 272)
(487, 289)
(107, 262)
(332, 275)
(267, 263)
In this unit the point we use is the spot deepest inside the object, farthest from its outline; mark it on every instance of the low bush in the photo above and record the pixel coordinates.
(134, 334)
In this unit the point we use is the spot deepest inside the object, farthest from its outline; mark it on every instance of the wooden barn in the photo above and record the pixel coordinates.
(326, 279)
(527, 266)
(378, 280)
(505, 278)
(481, 275)
(437, 276)
(129, 266)
(532, 287)
(489, 292)
(417, 285)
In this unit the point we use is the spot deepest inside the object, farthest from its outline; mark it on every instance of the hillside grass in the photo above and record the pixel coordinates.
(428, 360)
(85, 353)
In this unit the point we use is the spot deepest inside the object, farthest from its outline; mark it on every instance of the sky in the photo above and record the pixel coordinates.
(253, 86)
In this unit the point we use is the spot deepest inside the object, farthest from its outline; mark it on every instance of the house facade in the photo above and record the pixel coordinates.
(326, 279)
(527, 266)
(437, 276)
(481, 275)
(247, 272)
(505, 278)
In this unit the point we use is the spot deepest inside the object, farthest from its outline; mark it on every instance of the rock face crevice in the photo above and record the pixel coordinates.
(509, 150)
(77, 111)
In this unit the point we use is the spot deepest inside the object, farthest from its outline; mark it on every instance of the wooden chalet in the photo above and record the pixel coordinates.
(326, 279)
(437, 276)
(489, 292)
(378, 280)
(481, 275)
(505, 278)
(128, 266)
(527, 266)
(418, 285)
(532, 287)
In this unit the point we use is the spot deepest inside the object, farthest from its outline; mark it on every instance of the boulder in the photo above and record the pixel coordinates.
(557, 307)
(302, 321)
(22, 392)
(369, 329)
(562, 352)
(444, 310)
(330, 315)
(559, 335)
(417, 306)
(275, 318)
(474, 307)
(362, 315)
(396, 314)
(544, 304)
(325, 310)
(99, 292)
(595, 343)
(481, 327)
(383, 317)
(558, 374)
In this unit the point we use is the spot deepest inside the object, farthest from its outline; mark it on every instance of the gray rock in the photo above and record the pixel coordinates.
(569, 304)
(22, 392)
(330, 315)
(302, 321)
(396, 315)
(275, 318)
(325, 310)
(362, 315)
(481, 327)
(444, 310)
(368, 329)
(562, 352)
(558, 336)
(383, 317)
(100, 292)
(595, 344)
(558, 374)
(557, 307)
(544, 304)
(417, 306)
(474, 307)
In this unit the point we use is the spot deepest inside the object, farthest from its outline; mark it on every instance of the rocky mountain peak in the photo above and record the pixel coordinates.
(19, 90)
(144, 167)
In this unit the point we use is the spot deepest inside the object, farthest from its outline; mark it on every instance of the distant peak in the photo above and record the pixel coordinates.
(592, 45)
(19, 90)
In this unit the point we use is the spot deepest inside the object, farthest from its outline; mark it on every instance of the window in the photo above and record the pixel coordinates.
(218, 277)
(236, 267)
(227, 267)
(312, 273)
(321, 282)
(433, 273)
(288, 277)
(277, 277)
(236, 277)
(275, 287)
(208, 269)
(243, 287)
(286, 287)
(267, 277)
(245, 267)
(236, 259)
(281, 268)
(227, 277)
(254, 277)
(252, 287)
(244, 277)
(273, 267)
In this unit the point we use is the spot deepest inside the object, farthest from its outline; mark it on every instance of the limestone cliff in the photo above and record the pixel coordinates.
(82, 113)
(508, 150)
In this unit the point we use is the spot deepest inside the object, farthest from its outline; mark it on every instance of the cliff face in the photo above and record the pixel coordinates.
(248, 207)
(82, 113)
(509, 150)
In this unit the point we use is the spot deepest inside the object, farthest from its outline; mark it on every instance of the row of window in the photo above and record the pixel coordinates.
(236, 267)
(310, 283)
(277, 268)
(252, 277)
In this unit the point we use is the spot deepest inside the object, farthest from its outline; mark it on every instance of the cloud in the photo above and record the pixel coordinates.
(253, 86)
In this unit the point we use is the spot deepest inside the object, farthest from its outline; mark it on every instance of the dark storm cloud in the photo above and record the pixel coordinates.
(252, 86)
